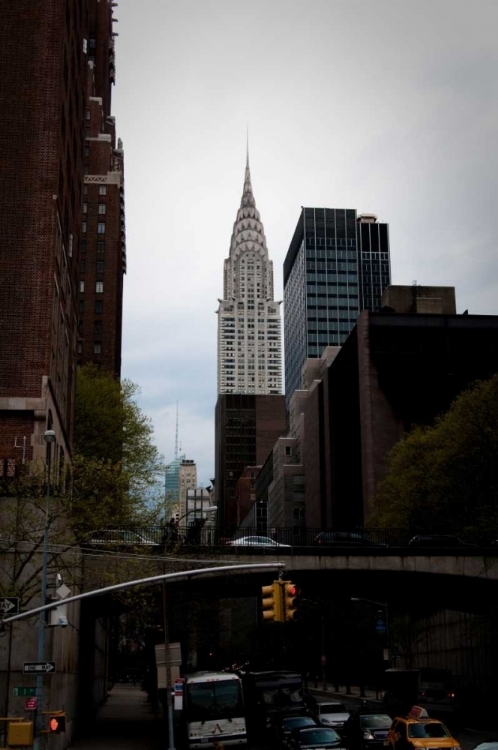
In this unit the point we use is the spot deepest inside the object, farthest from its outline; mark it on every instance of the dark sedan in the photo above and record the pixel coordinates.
(313, 737)
(283, 728)
(345, 539)
(437, 540)
(367, 729)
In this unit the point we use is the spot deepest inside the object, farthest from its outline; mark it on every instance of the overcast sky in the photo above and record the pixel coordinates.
(386, 106)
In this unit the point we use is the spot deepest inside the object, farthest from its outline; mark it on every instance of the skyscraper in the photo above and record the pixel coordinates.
(250, 411)
(337, 265)
(249, 330)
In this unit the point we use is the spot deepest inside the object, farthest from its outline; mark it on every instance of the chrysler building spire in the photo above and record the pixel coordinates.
(249, 330)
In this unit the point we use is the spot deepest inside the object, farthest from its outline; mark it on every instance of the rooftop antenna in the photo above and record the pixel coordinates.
(176, 433)
(247, 145)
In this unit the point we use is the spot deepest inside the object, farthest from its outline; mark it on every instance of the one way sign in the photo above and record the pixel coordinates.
(39, 666)
(9, 605)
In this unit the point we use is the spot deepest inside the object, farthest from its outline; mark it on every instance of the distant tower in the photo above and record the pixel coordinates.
(249, 328)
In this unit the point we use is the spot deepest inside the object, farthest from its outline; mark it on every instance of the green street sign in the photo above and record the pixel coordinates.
(24, 692)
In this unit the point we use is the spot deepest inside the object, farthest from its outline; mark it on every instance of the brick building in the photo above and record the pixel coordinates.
(396, 369)
(246, 428)
(102, 261)
(42, 104)
(47, 73)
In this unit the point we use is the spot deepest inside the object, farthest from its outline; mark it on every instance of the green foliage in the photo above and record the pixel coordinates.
(444, 478)
(115, 462)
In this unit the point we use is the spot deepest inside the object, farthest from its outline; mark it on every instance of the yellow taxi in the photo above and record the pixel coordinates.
(418, 730)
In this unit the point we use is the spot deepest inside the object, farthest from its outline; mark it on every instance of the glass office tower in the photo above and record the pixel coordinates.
(337, 265)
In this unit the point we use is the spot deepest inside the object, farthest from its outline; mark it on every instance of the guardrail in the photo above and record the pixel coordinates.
(375, 540)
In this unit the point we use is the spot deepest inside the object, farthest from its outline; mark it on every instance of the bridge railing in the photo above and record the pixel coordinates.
(279, 538)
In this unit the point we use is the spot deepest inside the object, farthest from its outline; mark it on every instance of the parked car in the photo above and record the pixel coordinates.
(437, 540)
(256, 541)
(332, 714)
(367, 729)
(124, 537)
(345, 539)
(313, 737)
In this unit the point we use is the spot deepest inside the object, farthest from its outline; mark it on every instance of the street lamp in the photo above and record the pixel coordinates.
(385, 606)
(49, 437)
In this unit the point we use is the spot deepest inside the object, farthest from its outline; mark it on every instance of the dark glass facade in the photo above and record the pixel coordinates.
(337, 265)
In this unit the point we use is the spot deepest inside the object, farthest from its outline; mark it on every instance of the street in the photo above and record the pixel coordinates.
(126, 722)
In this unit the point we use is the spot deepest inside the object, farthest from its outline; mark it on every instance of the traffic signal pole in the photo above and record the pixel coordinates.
(144, 582)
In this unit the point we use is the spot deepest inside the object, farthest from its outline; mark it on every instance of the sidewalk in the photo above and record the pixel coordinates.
(125, 721)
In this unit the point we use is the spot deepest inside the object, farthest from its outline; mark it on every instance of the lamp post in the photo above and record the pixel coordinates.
(49, 437)
(385, 606)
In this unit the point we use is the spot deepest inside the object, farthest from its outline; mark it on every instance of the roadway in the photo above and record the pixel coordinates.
(127, 722)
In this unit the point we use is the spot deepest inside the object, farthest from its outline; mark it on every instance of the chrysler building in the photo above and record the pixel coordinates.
(249, 329)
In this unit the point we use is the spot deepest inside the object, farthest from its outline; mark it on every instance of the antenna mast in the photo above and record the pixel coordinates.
(176, 433)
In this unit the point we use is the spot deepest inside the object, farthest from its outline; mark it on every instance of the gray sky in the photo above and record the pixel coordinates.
(386, 106)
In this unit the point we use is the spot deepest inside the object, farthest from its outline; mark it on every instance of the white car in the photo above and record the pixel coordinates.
(256, 541)
(332, 714)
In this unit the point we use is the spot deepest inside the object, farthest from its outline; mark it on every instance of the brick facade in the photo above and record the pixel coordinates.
(41, 146)
(47, 75)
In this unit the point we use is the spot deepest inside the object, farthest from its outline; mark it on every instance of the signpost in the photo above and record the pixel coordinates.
(24, 692)
(9, 605)
(38, 667)
(31, 704)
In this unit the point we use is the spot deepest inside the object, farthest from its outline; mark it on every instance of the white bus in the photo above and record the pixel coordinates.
(213, 709)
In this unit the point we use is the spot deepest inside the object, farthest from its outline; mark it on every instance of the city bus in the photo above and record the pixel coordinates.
(213, 709)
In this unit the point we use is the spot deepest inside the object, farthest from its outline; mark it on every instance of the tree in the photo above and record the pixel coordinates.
(111, 482)
(444, 478)
(115, 462)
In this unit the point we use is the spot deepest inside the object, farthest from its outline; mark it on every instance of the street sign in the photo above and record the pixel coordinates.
(31, 704)
(39, 666)
(23, 692)
(9, 605)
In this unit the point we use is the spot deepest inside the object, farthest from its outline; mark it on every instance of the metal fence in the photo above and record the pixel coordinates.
(280, 539)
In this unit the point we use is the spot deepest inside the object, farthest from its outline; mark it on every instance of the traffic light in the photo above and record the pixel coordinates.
(291, 592)
(272, 602)
(57, 723)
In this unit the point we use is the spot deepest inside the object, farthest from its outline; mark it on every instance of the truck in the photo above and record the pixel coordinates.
(425, 686)
(269, 695)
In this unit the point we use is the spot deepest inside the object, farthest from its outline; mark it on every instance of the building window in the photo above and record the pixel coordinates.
(101, 208)
(100, 228)
(85, 208)
(92, 43)
(83, 227)
(82, 266)
(100, 266)
(82, 287)
(102, 189)
(99, 307)
(99, 287)
(83, 246)
(97, 328)
(97, 347)
(81, 306)
(80, 347)
(87, 114)
(100, 247)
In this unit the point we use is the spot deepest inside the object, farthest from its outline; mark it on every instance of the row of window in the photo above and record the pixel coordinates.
(102, 208)
(100, 246)
(102, 188)
(99, 287)
(100, 227)
(99, 266)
